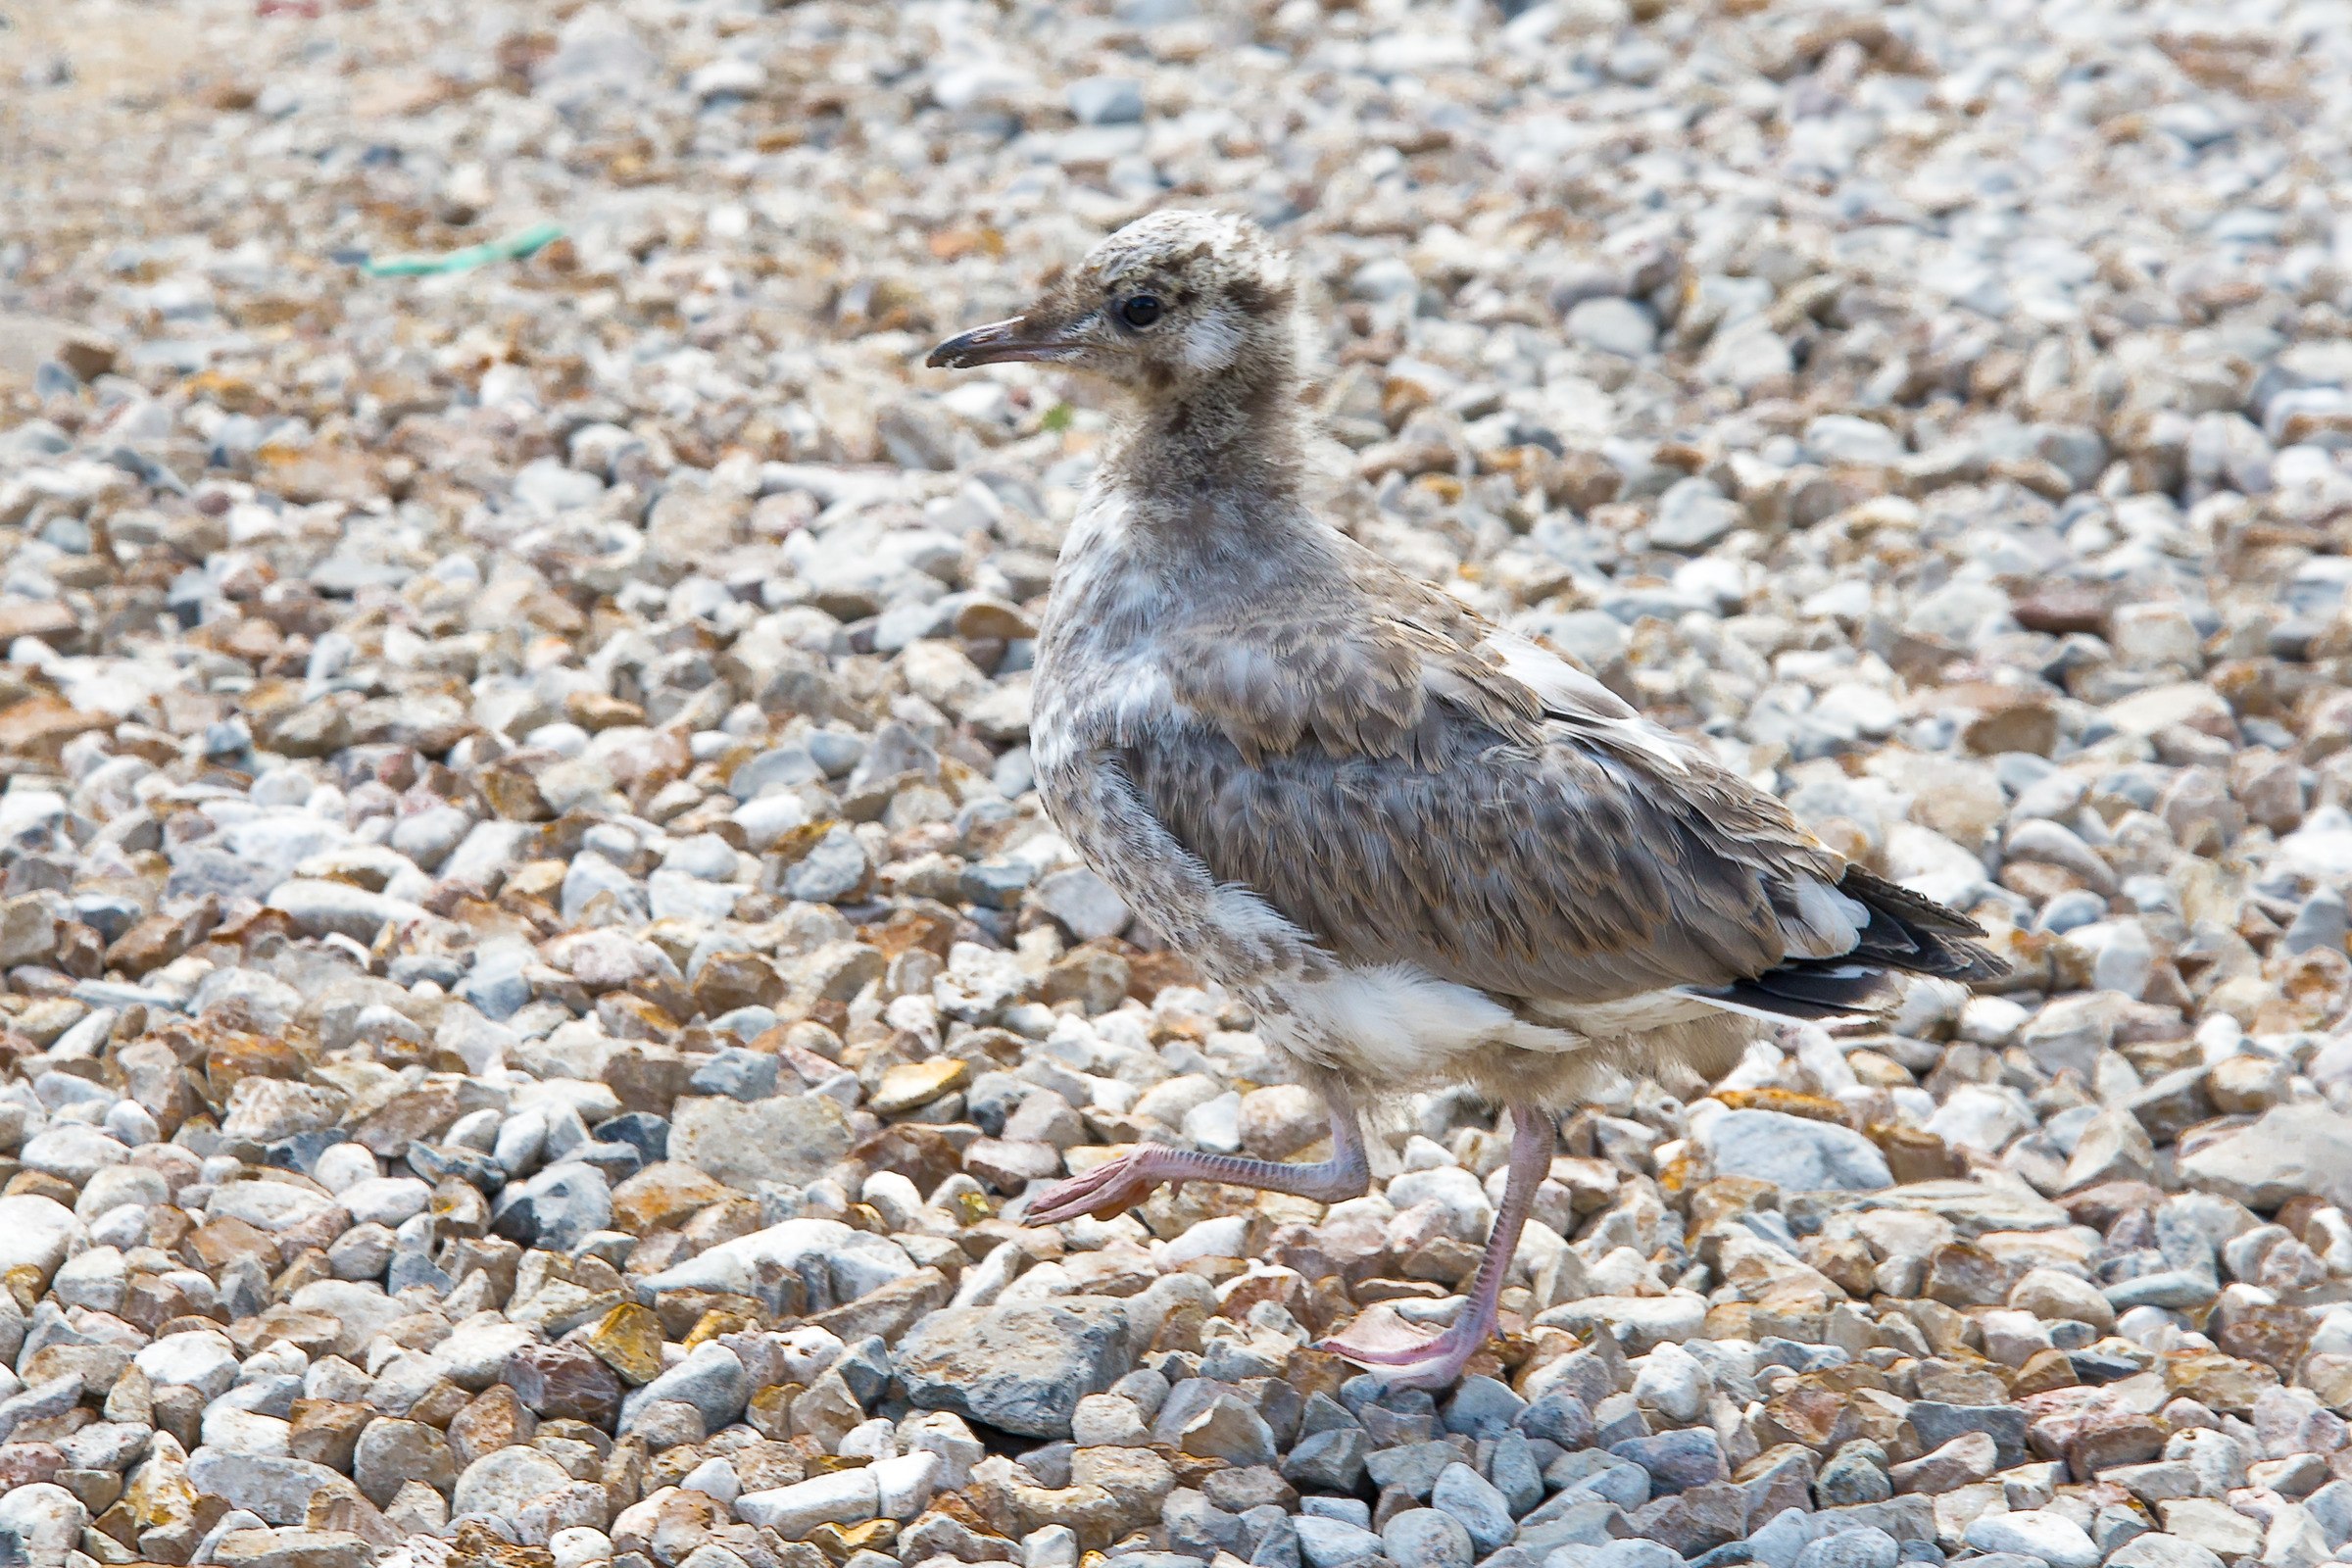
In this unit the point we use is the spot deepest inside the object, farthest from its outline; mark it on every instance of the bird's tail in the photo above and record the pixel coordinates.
(1907, 932)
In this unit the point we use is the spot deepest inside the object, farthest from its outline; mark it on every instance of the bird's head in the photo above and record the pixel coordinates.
(1166, 305)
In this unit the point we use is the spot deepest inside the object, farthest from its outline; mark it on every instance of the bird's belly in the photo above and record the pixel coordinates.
(1629, 1015)
(1396, 1029)
(1393, 1023)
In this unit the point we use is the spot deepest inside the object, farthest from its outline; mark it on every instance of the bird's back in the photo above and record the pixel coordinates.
(1402, 783)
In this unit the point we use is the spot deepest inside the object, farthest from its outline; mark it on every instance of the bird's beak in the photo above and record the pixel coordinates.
(1000, 342)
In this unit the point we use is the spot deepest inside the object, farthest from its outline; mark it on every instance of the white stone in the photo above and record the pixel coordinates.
(1671, 1381)
(714, 1478)
(385, 1200)
(2039, 1532)
(71, 1153)
(843, 1497)
(269, 1206)
(904, 1486)
(341, 1166)
(204, 1361)
(35, 1232)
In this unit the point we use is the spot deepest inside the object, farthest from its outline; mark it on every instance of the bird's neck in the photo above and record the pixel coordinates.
(1232, 446)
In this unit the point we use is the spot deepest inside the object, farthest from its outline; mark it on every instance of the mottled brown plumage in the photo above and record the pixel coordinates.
(1425, 849)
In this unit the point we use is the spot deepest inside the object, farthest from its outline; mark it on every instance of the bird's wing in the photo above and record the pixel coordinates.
(1423, 788)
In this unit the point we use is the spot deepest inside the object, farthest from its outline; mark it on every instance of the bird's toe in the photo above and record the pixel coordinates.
(1403, 1355)
(1381, 1339)
(1107, 1190)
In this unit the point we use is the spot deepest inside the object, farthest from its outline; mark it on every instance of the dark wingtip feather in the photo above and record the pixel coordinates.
(1932, 938)
(1904, 907)
(1908, 933)
(1807, 990)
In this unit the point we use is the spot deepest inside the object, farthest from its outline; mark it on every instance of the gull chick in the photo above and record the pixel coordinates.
(1425, 850)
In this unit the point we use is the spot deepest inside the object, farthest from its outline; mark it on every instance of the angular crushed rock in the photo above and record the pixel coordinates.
(534, 984)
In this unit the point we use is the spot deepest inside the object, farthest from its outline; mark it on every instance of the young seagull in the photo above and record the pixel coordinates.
(1425, 850)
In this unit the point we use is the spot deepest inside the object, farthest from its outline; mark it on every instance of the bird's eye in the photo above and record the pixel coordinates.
(1140, 311)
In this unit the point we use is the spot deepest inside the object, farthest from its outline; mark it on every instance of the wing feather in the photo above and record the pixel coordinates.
(1551, 869)
(1409, 784)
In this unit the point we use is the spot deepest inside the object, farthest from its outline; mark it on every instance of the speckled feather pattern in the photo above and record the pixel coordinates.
(1425, 849)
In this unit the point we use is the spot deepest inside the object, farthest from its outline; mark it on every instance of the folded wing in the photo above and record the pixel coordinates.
(1484, 810)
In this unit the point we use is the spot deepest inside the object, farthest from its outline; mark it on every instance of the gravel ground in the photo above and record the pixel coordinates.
(537, 986)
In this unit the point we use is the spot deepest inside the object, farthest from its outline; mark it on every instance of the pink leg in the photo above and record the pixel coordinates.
(1119, 1185)
(1435, 1363)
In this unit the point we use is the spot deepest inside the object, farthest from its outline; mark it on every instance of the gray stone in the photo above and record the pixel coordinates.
(1938, 1423)
(1852, 1549)
(787, 1138)
(1472, 1499)
(2330, 1508)
(73, 1152)
(1106, 100)
(1632, 1554)
(1225, 1428)
(1428, 1537)
(1676, 1460)
(776, 770)
(1906, 1519)
(1514, 1472)
(501, 1482)
(277, 1489)
(1782, 1538)
(1021, 1368)
(483, 856)
(2177, 1288)
(392, 1452)
(2320, 924)
(1692, 514)
(1088, 908)
(1796, 1153)
(835, 867)
(836, 1262)
(1851, 1478)
(1332, 1460)
(2292, 1151)
(319, 908)
(36, 1232)
(1482, 1408)
(1329, 1542)
(1571, 1519)
(712, 1379)
(1561, 1417)
(1412, 1468)
(1672, 1383)
(1638, 1323)
(1844, 438)
(207, 867)
(1619, 1418)
(737, 1073)
(1614, 326)
(591, 876)
(556, 1210)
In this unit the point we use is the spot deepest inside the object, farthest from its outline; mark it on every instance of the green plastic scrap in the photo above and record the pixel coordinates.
(514, 248)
